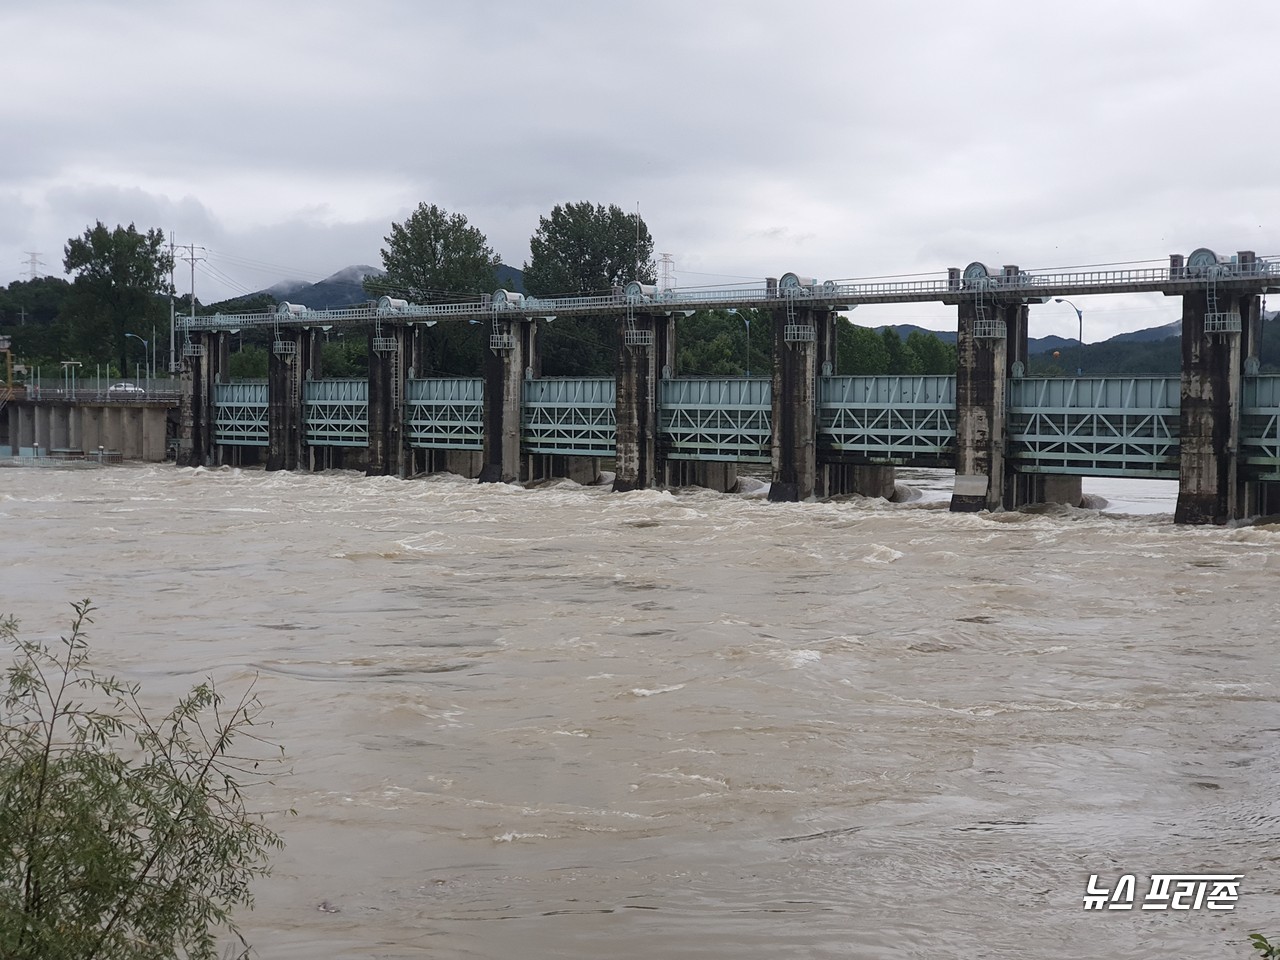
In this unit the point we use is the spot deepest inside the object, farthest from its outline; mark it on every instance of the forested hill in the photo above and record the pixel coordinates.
(346, 287)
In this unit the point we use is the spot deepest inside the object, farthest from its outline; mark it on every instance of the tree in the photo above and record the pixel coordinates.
(119, 276)
(580, 249)
(861, 352)
(713, 343)
(936, 357)
(121, 837)
(433, 257)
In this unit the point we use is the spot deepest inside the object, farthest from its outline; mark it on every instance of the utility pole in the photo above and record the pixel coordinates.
(173, 360)
(192, 259)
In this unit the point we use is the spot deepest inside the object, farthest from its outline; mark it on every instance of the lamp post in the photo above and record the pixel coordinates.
(69, 378)
(1080, 318)
(145, 345)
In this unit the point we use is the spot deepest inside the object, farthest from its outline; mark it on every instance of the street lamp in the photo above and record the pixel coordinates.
(145, 345)
(69, 378)
(1079, 317)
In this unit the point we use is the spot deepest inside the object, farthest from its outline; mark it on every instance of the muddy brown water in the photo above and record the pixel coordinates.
(563, 722)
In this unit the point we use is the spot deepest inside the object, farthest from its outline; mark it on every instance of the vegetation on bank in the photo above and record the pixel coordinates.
(123, 835)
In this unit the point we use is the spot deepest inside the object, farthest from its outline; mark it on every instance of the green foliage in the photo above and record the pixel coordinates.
(860, 351)
(30, 313)
(121, 836)
(252, 303)
(864, 353)
(435, 256)
(119, 275)
(346, 356)
(585, 249)
(935, 356)
(579, 347)
(249, 362)
(1268, 950)
(713, 343)
(1126, 358)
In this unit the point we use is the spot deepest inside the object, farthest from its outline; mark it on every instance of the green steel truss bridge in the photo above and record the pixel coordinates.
(1091, 426)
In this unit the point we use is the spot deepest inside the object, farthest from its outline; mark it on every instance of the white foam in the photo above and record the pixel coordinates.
(642, 692)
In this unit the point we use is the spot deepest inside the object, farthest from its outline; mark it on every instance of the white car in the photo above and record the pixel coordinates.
(126, 391)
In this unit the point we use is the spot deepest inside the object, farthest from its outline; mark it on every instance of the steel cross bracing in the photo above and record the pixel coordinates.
(240, 413)
(570, 416)
(445, 413)
(1110, 426)
(1260, 427)
(1258, 275)
(729, 419)
(336, 413)
(891, 420)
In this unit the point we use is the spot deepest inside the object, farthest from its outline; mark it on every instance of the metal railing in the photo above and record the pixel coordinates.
(100, 389)
(828, 294)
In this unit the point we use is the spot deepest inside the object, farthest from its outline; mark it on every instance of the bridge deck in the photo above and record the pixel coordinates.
(1259, 276)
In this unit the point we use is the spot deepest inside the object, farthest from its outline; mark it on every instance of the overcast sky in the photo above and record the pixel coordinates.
(836, 139)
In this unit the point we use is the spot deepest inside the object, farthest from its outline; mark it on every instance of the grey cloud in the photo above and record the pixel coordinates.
(877, 139)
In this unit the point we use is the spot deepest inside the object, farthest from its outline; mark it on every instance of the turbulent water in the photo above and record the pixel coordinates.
(563, 722)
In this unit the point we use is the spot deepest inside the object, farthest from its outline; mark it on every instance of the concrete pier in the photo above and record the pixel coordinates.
(1211, 486)
(646, 347)
(512, 345)
(388, 351)
(209, 365)
(294, 358)
(803, 341)
(980, 409)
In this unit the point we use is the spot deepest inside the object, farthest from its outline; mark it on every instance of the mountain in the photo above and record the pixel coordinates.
(341, 289)
(510, 279)
(345, 288)
(1148, 334)
(1034, 344)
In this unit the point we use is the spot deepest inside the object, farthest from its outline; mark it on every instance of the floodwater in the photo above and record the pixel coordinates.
(568, 723)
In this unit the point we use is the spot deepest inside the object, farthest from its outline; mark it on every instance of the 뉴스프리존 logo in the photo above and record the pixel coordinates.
(1166, 891)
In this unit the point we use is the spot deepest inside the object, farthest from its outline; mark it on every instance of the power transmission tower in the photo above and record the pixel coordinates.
(33, 261)
(667, 265)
